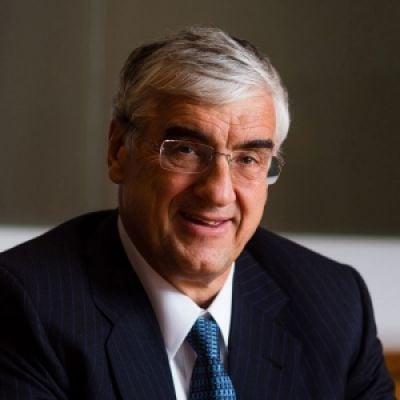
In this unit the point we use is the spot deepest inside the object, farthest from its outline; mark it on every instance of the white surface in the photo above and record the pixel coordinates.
(13, 235)
(377, 259)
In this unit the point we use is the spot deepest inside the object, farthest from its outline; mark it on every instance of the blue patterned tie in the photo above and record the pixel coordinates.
(209, 379)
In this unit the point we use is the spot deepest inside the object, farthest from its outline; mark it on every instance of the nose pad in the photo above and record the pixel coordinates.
(226, 155)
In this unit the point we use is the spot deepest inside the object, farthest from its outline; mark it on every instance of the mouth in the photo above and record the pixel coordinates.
(212, 222)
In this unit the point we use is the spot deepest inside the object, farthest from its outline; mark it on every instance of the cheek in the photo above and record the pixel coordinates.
(137, 191)
(160, 192)
(172, 191)
(253, 203)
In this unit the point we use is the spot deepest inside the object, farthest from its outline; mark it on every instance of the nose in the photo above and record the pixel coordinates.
(215, 186)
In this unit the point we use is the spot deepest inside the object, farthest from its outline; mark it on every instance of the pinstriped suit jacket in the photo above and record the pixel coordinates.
(77, 324)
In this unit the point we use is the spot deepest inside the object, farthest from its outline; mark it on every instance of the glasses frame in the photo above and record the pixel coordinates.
(273, 172)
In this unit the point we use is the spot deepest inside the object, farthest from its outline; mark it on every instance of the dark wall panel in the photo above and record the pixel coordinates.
(340, 60)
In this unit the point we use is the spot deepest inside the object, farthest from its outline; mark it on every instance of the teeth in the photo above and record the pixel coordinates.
(206, 222)
(203, 221)
(210, 222)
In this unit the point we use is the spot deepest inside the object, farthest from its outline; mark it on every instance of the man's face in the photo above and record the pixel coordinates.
(191, 227)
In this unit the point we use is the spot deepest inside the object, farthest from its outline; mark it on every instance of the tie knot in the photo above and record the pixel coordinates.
(204, 338)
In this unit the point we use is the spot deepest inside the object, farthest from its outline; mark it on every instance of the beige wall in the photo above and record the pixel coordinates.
(58, 68)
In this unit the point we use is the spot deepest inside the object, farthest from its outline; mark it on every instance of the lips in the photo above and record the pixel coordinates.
(212, 222)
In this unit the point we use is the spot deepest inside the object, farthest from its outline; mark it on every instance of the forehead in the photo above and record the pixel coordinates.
(252, 118)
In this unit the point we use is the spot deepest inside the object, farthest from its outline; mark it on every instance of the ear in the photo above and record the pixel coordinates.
(117, 151)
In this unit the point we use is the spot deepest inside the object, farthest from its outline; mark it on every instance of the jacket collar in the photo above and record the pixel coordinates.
(135, 346)
(263, 355)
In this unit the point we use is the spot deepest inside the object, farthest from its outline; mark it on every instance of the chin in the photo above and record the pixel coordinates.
(210, 267)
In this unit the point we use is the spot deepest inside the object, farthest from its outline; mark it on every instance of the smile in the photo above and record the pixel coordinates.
(211, 222)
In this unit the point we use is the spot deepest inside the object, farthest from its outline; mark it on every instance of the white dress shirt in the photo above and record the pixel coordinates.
(176, 313)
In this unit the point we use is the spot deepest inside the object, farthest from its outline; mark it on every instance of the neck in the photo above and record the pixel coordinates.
(203, 291)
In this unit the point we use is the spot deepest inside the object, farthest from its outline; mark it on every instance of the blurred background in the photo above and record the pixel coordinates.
(340, 61)
(340, 189)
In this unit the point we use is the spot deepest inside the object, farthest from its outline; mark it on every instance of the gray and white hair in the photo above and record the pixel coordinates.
(201, 63)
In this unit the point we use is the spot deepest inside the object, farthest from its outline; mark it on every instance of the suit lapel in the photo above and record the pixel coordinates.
(134, 346)
(263, 356)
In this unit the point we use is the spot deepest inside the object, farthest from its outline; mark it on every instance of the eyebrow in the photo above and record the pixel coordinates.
(180, 132)
(256, 144)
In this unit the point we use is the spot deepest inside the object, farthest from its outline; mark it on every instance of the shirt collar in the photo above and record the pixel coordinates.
(176, 312)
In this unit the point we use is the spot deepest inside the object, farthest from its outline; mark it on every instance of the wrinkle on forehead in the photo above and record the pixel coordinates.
(248, 119)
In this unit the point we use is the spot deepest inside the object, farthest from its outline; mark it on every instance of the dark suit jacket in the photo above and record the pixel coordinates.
(77, 324)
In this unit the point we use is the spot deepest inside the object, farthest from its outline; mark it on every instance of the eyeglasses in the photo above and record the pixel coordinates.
(252, 164)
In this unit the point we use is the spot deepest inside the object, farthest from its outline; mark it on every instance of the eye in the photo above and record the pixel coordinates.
(185, 148)
(247, 158)
(176, 148)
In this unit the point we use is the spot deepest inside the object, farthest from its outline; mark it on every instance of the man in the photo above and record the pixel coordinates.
(179, 294)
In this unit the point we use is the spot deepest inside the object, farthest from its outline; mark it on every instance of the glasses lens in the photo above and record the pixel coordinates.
(274, 170)
(184, 156)
(251, 164)
(191, 158)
